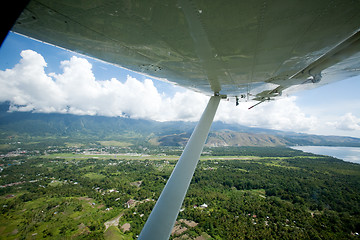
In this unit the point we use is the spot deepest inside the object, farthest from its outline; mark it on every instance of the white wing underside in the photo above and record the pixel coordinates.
(253, 49)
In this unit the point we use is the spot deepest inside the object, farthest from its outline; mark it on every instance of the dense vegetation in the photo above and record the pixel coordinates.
(261, 193)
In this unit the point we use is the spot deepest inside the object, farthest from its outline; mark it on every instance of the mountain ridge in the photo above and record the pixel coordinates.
(155, 133)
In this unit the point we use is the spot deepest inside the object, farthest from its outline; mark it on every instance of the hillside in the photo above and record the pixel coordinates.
(65, 127)
(231, 138)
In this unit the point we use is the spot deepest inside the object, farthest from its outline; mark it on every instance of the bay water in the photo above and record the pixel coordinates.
(349, 154)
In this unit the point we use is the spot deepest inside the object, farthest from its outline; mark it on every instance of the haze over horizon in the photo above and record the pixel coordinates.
(41, 78)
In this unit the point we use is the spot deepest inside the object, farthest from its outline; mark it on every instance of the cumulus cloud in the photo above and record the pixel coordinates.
(282, 114)
(348, 122)
(27, 85)
(76, 91)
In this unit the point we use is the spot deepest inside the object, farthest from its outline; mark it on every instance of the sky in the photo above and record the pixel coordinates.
(39, 77)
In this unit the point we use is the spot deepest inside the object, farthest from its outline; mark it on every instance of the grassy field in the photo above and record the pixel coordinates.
(110, 156)
(115, 144)
(130, 156)
(94, 176)
(113, 233)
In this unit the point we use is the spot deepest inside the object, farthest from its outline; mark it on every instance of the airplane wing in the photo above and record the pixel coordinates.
(245, 49)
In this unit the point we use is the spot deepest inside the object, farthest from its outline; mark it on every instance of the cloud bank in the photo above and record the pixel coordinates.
(76, 91)
(348, 122)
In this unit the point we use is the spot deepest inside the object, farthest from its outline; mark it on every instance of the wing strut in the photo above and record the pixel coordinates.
(163, 216)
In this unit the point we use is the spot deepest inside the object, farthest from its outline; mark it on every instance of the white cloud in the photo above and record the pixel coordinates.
(348, 122)
(27, 84)
(76, 91)
(282, 114)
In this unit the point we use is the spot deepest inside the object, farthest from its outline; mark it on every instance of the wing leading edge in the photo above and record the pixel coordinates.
(245, 49)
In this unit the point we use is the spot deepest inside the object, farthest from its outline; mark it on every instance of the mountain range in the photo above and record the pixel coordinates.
(99, 128)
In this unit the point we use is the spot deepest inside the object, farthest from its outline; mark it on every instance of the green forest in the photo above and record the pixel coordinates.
(236, 193)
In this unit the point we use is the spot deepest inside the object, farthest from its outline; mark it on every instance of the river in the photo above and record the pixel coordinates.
(349, 154)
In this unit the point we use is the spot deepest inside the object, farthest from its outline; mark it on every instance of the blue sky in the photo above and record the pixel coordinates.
(42, 78)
